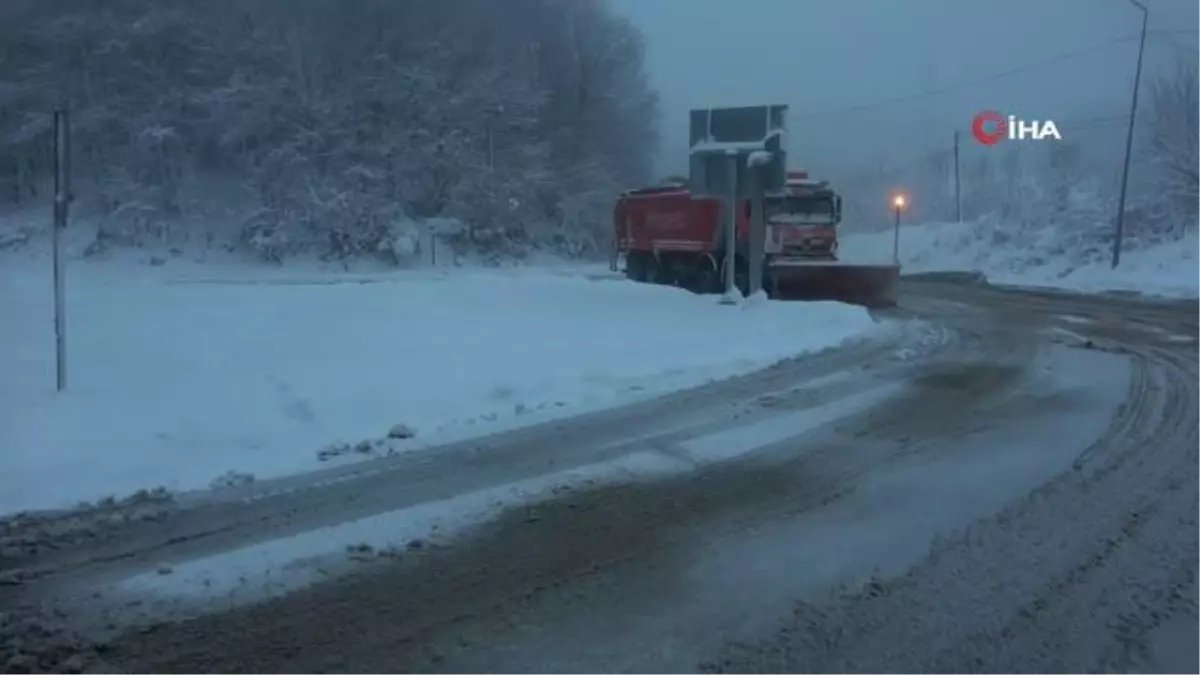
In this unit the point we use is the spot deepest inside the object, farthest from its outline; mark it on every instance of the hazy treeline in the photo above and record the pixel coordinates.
(330, 125)
(1061, 193)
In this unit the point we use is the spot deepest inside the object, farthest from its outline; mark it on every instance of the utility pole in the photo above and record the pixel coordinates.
(1137, 80)
(957, 183)
(896, 239)
(731, 214)
(494, 115)
(62, 200)
(758, 227)
(491, 138)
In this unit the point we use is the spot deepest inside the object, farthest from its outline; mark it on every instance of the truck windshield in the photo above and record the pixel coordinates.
(801, 210)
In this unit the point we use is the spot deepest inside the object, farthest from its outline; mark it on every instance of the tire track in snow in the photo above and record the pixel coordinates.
(1075, 577)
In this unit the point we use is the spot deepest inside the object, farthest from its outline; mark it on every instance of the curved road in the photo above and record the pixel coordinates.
(1006, 482)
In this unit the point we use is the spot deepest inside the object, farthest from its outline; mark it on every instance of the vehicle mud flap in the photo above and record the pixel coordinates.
(872, 286)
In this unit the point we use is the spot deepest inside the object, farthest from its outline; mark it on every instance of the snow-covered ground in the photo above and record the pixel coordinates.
(181, 372)
(1167, 269)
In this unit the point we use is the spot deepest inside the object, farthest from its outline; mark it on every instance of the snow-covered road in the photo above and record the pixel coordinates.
(1012, 475)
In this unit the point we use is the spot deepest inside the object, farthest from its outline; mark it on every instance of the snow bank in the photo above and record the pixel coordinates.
(1167, 269)
(176, 378)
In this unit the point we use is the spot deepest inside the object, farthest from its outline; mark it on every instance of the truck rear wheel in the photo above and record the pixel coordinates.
(635, 266)
(705, 278)
(658, 272)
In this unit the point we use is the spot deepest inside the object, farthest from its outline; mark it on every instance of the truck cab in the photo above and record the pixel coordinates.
(802, 220)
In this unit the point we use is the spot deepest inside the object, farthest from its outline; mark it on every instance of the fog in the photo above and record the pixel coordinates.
(832, 61)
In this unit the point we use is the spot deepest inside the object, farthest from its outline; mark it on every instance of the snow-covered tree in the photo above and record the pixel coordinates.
(327, 125)
(1172, 142)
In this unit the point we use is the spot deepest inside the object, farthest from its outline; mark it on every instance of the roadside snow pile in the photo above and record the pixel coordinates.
(1047, 259)
(180, 383)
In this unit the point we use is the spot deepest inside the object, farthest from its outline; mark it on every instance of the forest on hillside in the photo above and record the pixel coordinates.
(329, 126)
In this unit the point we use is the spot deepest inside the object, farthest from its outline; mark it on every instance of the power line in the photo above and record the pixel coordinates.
(1174, 43)
(986, 78)
(1092, 122)
(946, 154)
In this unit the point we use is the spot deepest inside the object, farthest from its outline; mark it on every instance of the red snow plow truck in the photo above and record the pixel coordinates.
(667, 235)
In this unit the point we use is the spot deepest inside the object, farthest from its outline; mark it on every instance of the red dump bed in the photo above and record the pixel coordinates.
(672, 219)
(668, 219)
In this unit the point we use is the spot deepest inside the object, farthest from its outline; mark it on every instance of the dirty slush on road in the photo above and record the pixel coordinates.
(811, 554)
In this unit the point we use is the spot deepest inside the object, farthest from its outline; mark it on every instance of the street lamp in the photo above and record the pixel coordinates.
(899, 203)
(1137, 79)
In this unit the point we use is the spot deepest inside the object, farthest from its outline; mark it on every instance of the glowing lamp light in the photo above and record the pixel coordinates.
(899, 202)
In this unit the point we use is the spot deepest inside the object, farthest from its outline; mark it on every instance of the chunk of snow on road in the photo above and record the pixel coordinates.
(1071, 318)
(232, 479)
(401, 431)
(175, 384)
(929, 339)
(1068, 334)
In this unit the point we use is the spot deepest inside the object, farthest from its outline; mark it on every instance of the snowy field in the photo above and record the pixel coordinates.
(1170, 269)
(183, 372)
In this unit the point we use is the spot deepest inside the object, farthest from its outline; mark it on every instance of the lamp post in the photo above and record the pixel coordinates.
(899, 202)
(1137, 80)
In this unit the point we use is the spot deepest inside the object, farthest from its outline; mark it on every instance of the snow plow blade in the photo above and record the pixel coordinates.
(872, 286)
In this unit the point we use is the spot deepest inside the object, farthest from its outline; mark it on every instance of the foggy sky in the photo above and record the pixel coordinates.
(825, 55)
